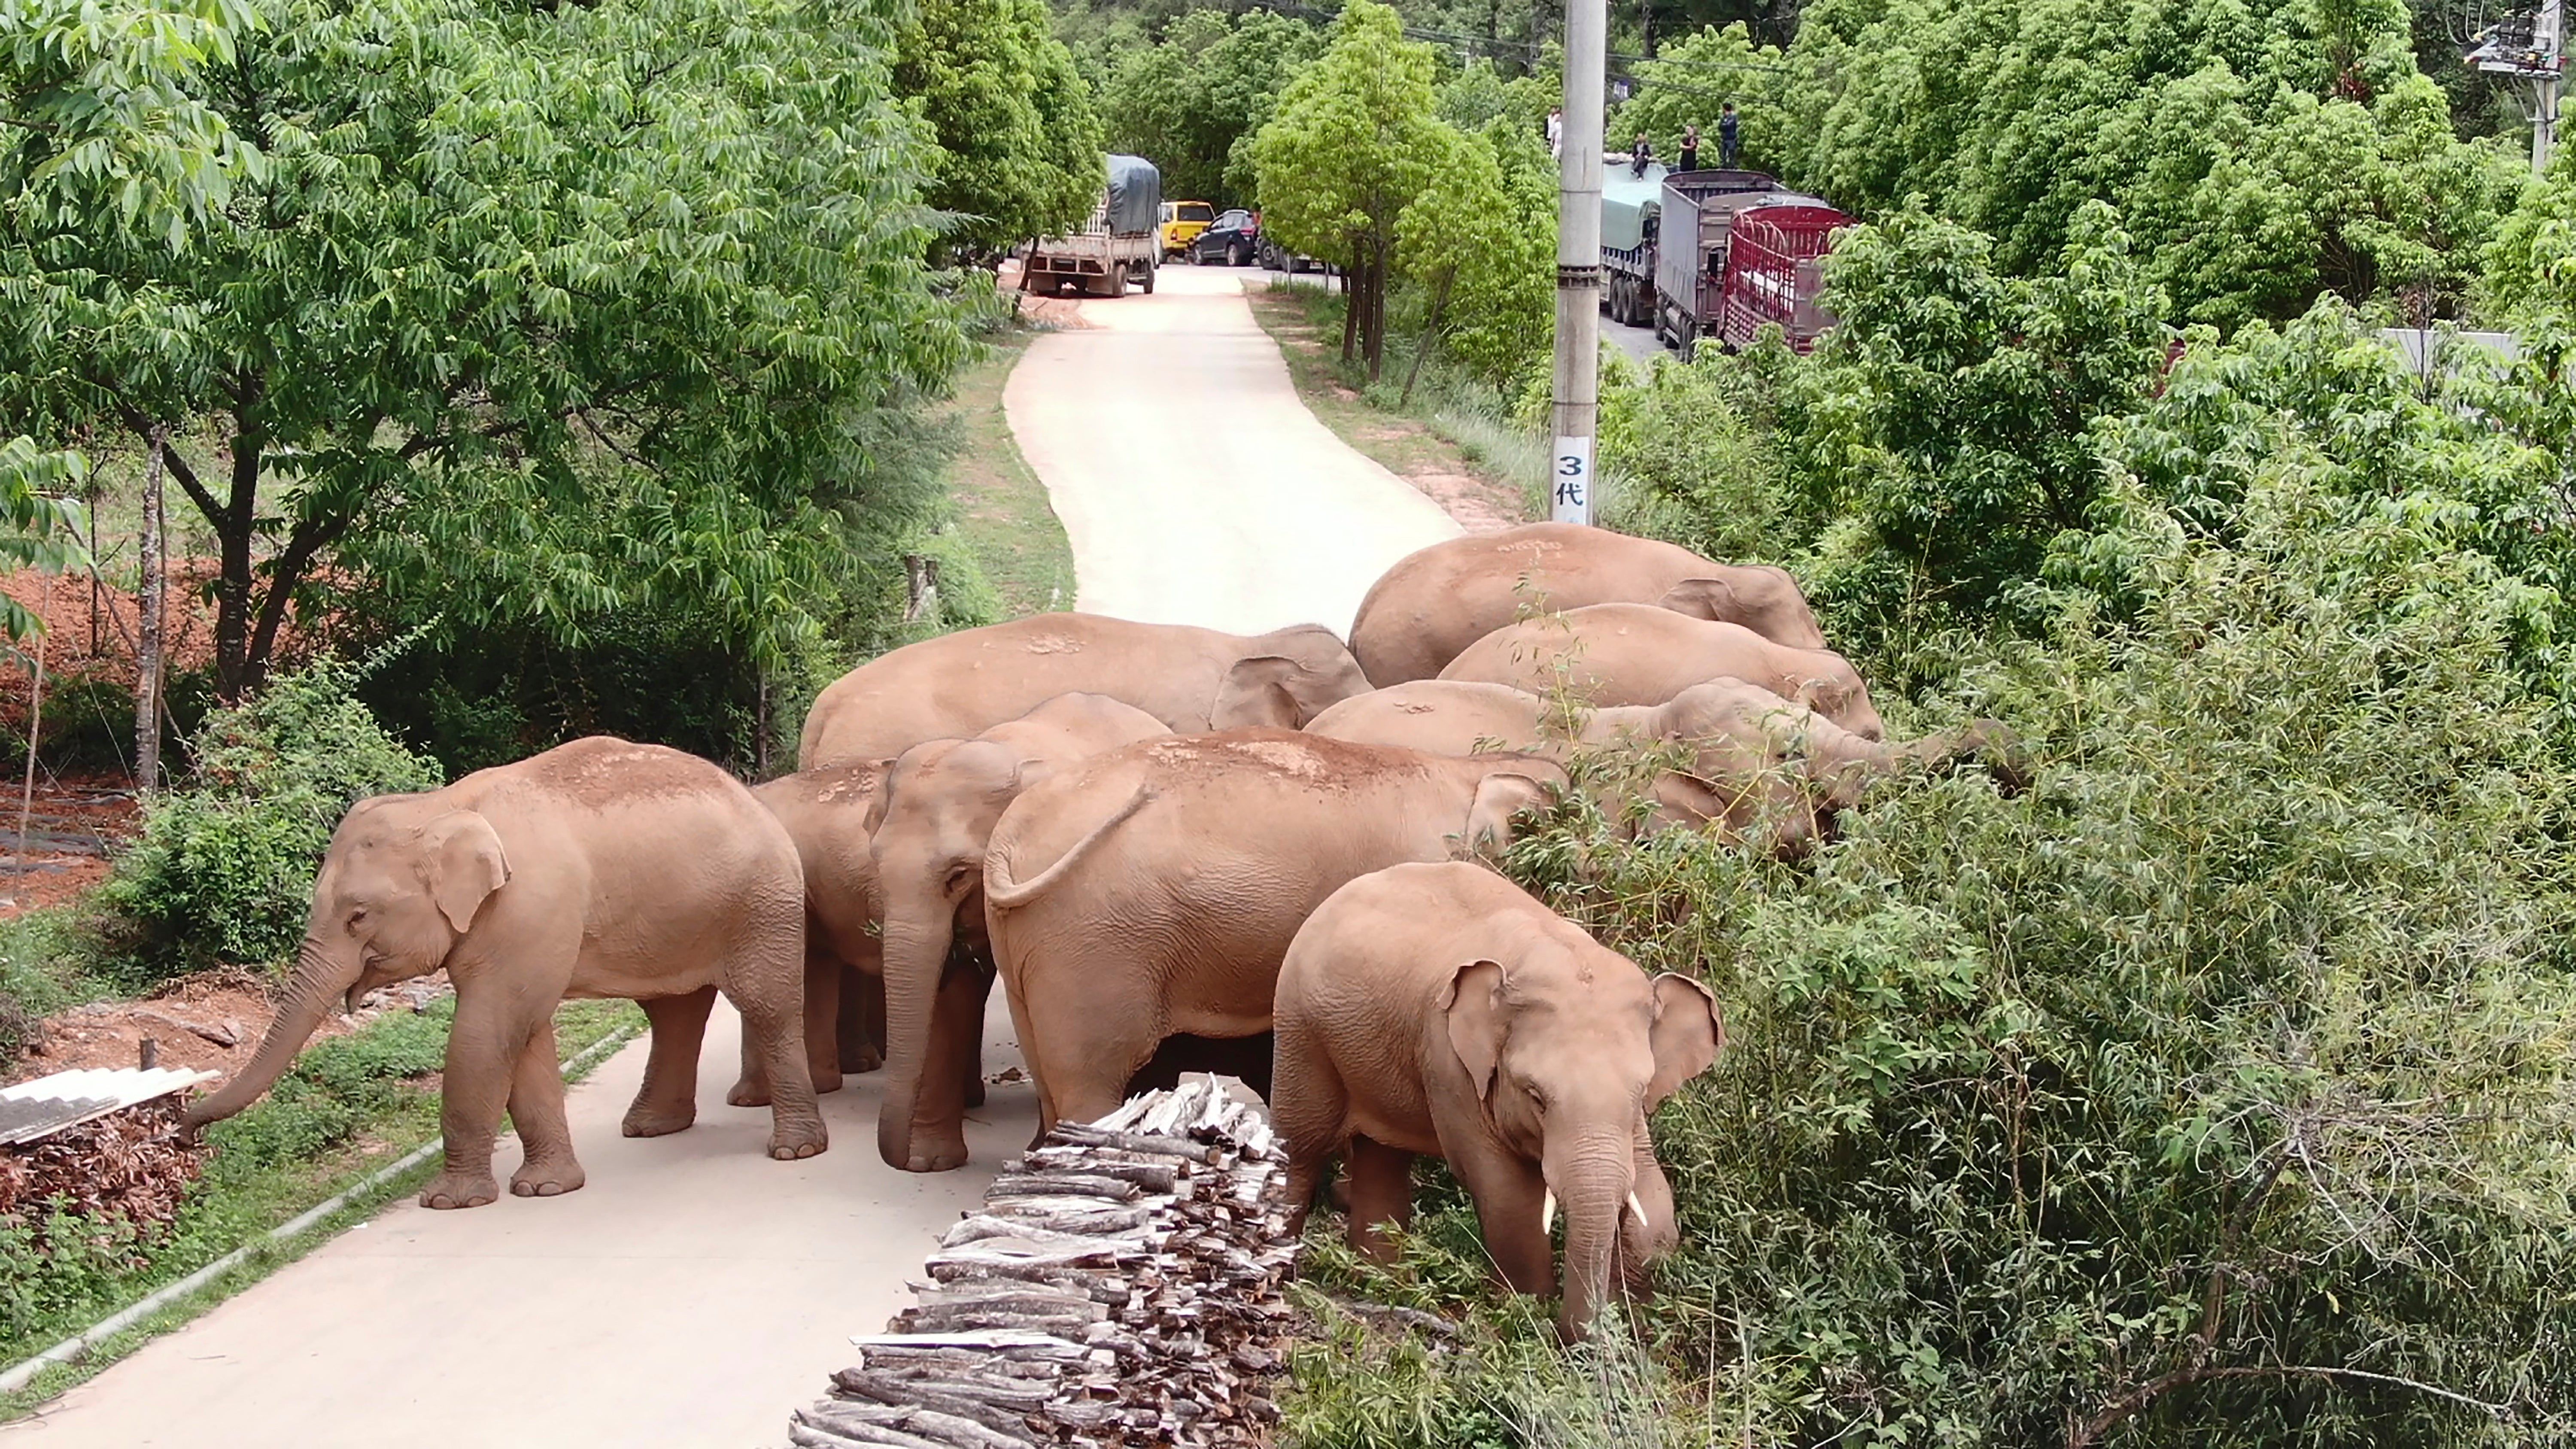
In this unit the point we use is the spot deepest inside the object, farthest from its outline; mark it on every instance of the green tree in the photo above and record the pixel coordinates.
(1350, 147)
(547, 311)
(1018, 141)
(1192, 102)
(1482, 240)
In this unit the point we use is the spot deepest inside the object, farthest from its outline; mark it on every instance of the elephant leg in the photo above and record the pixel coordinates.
(1510, 1196)
(822, 1045)
(1309, 1104)
(537, 1110)
(765, 980)
(861, 1025)
(668, 1100)
(1381, 1192)
(483, 1048)
(1085, 1031)
(972, 1032)
(956, 1057)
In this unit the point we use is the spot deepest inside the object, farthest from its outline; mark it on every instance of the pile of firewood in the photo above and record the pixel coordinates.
(135, 1164)
(1120, 1285)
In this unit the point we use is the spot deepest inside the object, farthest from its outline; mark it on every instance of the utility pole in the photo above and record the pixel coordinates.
(2530, 47)
(1578, 263)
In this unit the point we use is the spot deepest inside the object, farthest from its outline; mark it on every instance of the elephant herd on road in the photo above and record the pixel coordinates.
(1150, 832)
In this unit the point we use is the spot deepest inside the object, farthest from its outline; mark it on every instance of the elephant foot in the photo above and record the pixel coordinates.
(643, 1120)
(747, 1093)
(858, 1062)
(460, 1190)
(936, 1156)
(826, 1081)
(803, 1139)
(548, 1179)
(975, 1091)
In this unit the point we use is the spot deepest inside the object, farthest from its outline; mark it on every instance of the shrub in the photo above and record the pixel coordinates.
(223, 868)
(2217, 1089)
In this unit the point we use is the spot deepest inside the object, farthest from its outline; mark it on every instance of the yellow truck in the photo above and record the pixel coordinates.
(1180, 224)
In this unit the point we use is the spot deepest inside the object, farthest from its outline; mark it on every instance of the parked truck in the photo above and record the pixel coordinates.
(1732, 251)
(1631, 205)
(1117, 246)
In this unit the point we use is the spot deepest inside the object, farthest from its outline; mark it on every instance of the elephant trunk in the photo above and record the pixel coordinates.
(920, 927)
(1594, 1173)
(320, 980)
(1985, 742)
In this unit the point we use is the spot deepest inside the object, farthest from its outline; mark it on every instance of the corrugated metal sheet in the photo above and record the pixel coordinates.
(47, 1105)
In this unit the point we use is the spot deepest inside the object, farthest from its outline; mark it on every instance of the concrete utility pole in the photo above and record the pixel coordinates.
(1578, 262)
(2530, 47)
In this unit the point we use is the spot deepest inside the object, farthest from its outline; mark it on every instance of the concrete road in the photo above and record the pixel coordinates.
(1195, 486)
(691, 1295)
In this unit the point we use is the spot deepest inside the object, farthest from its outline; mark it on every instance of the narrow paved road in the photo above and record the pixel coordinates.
(1195, 487)
(695, 1291)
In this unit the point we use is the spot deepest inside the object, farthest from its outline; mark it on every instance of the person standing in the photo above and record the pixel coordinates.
(1690, 147)
(1726, 138)
(1555, 131)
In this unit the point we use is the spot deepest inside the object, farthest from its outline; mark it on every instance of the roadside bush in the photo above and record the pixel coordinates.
(223, 868)
(2220, 1088)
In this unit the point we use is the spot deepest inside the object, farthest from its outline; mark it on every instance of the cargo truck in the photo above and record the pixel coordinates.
(1117, 246)
(1734, 250)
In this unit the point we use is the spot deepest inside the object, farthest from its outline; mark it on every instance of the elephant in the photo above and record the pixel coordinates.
(599, 868)
(959, 685)
(1613, 654)
(1437, 1009)
(1151, 891)
(1434, 602)
(943, 798)
(830, 815)
(1754, 758)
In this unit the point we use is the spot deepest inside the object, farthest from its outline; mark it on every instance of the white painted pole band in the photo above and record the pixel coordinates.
(1570, 481)
(19, 1375)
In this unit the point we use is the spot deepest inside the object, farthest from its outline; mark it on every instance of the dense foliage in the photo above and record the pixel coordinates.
(224, 867)
(583, 308)
(1018, 139)
(1193, 101)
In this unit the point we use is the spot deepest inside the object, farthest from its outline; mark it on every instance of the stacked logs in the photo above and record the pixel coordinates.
(1119, 1286)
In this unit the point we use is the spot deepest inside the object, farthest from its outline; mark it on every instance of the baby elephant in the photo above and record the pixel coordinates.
(1439, 1009)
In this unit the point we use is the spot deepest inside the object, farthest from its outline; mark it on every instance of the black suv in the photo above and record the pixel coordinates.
(1234, 238)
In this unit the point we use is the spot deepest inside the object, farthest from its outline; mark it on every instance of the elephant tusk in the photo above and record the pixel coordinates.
(1639, 1209)
(1547, 1212)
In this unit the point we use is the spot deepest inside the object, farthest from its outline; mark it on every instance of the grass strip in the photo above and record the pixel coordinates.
(1003, 512)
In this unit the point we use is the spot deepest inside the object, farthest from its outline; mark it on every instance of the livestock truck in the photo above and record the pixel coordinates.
(1713, 254)
(1117, 246)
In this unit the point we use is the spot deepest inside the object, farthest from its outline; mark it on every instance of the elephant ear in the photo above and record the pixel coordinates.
(465, 865)
(1472, 1003)
(1256, 692)
(1703, 599)
(876, 812)
(1688, 1032)
(1499, 797)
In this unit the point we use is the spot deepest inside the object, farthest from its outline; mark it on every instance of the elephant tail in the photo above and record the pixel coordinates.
(1002, 893)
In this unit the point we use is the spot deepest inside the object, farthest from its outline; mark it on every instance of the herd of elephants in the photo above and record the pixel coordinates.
(1154, 834)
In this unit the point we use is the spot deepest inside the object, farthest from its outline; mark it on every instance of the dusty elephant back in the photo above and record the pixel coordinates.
(962, 684)
(668, 842)
(1442, 717)
(1436, 601)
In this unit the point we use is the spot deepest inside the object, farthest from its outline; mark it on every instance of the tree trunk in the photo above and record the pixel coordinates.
(1430, 330)
(151, 557)
(1377, 309)
(1351, 305)
(235, 673)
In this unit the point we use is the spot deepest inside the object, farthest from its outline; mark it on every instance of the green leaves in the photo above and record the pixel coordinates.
(1017, 143)
(40, 528)
(1193, 102)
(1354, 139)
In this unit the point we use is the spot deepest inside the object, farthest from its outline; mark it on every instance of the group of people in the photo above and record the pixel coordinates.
(1642, 154)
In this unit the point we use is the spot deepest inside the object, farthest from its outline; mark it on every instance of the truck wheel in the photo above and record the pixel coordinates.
(1147, 285)
(1662, 338)
(1690, 340)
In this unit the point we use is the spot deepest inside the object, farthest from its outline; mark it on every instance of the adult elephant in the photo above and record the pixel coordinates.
(599, 868)
(1436, 601)
(959, 685)
(942, 801)
(1151, 891)
(1613, 654)
(1440, 1010)
(1754, 758)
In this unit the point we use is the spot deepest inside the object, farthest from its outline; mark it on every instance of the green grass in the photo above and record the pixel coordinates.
(1443, 429)
(1002, 509)
(349, 1106)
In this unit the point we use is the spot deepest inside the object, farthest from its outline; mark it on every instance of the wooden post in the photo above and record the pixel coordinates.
(35, 713)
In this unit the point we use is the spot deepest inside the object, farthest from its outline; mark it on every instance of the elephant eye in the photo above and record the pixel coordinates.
(1536, 1101)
